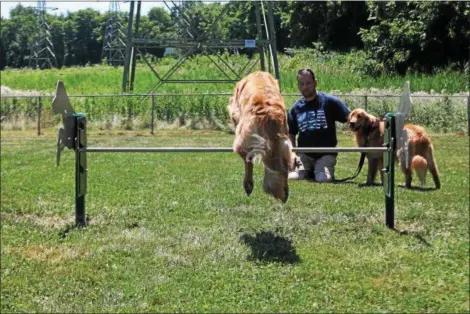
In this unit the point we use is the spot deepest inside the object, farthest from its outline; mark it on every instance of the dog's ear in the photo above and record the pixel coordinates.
(365, 116)
(371, 120)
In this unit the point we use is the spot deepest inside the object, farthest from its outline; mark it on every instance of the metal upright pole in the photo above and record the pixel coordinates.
(258, 25)
(389, 171)
(127, 60)
(80, 170)
(272, 38)
(134, 52)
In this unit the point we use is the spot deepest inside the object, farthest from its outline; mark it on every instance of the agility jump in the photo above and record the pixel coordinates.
(73, 135)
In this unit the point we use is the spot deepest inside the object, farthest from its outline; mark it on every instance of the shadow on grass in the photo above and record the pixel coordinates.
(417, 188)
(366, 185)
(343, 182)
(415, 234)
(268, 247)
(70, 227)
(312, 180)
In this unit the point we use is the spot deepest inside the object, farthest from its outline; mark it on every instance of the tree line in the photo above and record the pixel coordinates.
(397, 37)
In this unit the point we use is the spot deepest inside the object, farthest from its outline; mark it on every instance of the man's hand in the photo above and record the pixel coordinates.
(295, 162)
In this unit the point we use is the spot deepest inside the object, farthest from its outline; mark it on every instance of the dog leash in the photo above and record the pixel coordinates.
(361, 161)
(358, 170)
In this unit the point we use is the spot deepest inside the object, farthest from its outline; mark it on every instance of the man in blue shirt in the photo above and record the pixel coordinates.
(313, 119)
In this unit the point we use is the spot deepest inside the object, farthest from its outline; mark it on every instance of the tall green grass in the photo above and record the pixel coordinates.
(337, 73)
(443, 113)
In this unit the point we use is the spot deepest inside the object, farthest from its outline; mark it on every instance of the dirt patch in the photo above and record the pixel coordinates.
(47, 253)
(46, 221)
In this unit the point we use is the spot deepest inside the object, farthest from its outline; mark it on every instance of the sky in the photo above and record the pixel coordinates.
(72, 6)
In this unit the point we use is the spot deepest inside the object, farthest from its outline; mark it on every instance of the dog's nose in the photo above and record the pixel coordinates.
(352, 124)
(286, 194)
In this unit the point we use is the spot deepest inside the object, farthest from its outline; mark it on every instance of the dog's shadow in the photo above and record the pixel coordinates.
(417, 188)
(268, 247)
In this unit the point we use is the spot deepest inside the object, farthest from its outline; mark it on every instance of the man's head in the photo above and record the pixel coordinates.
(307, 83)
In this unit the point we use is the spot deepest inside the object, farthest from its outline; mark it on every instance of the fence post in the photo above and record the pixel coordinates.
(468, 111)
(80, 169)
(39, 114)
(365, 102)
(153, 115)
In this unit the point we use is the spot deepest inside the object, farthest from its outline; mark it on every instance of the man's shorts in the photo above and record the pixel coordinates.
(321, 169)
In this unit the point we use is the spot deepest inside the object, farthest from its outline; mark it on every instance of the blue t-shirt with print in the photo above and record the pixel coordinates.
(314, 121)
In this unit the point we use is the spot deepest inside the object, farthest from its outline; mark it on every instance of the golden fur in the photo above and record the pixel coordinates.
(421, 154)
(369, 132)
(258, 112)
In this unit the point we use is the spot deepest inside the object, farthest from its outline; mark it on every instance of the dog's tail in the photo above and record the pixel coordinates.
(257, 147)
(420, 165)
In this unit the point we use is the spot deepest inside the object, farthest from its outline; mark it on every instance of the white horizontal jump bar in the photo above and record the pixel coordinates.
(228, 149)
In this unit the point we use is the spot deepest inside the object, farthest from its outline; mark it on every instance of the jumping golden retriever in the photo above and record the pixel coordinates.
(369, 132)
(258, 112)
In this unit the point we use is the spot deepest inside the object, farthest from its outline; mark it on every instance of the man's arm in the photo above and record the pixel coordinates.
(342, 111)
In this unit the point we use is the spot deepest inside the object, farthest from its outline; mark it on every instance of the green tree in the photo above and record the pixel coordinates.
(421, 36)
(333, 24)
(82, 35)
(16, 35)
(57, 37)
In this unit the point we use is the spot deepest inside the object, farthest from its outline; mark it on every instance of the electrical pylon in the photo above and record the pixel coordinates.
(114, 40)
(42, 54)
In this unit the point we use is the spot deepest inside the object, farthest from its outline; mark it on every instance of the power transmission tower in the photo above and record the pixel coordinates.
(42, 54)
(114, 42)
(193, 40)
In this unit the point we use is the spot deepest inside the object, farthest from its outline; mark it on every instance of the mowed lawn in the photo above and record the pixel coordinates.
(175, 232)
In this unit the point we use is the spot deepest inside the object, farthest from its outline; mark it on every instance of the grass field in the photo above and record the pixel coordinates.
(175, 232)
